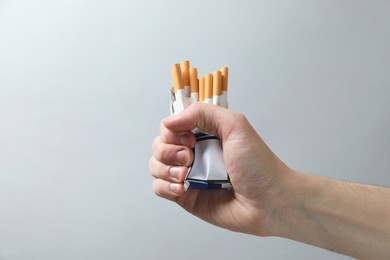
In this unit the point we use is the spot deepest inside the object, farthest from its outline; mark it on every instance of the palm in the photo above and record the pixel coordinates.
(218, 207)
(223, 208)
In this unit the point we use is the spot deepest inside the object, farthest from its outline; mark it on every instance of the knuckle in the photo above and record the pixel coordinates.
(161, 152)
(165, 137)
(160, 149)
(161, 126)
(240, 117)
(157, 188)
(151, 164)
(156, 142)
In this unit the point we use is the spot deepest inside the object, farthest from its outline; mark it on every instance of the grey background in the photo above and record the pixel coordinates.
(84, 85)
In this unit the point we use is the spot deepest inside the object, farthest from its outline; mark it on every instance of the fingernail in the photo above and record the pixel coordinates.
(182, 157)
(174, 187)
(175, 171)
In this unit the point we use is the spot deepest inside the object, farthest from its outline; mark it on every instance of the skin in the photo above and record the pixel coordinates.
(268, 197)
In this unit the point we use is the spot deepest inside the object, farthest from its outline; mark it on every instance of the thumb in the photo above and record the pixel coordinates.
(212, 119)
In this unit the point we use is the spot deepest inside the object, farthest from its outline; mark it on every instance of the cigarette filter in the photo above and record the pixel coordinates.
(177, 78)
(185, 69)
(208, 89)
(223, 102)
(202, 89)
(217, 91)
(194, 85)
(225, 74)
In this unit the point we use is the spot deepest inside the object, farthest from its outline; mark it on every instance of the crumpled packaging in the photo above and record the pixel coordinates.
(208, 170)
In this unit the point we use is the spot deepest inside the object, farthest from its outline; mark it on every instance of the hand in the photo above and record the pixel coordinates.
(253, 169)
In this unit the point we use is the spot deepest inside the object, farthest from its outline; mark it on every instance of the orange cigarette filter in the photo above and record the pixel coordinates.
(177, 77)
(208, 86)
(201, 89)
(185, 69)
(217, 91)
(194, 80)
(225, 74)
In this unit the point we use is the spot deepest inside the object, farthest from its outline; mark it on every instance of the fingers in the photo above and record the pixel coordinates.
(185, 138)
(169, 166)
(167, 190)
(192, 117)
(167, 172)
(168, 182)
(171, 154)
(210, 118)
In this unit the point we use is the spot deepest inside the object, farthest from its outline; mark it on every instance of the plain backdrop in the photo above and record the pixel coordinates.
(85, 83)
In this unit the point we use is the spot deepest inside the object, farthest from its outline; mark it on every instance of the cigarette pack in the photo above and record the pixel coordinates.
(208, 170)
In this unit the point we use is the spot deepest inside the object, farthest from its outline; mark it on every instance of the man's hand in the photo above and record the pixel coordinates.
(252, 168)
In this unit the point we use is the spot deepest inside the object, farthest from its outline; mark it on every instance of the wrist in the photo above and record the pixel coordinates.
(297, 206)
(276, 202)
(288, 201)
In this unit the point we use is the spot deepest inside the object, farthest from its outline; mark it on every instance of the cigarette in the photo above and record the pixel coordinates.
(225, 74)
(177, 78)
(201, 89)
(185, 69)
(224, 78)
(217, 91)
(208, 93)
(194, 85)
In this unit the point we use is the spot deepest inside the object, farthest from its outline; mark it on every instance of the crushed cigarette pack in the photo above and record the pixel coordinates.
(208, 170)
